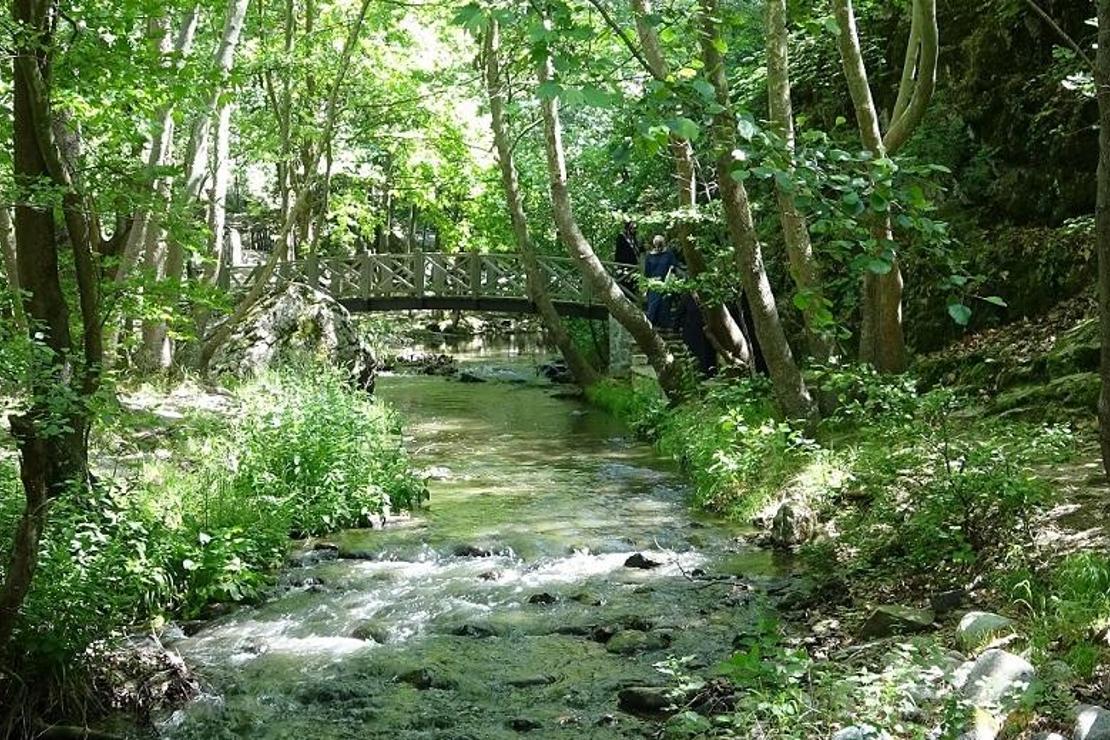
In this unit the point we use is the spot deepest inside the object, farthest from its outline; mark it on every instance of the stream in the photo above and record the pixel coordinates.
(506, 606)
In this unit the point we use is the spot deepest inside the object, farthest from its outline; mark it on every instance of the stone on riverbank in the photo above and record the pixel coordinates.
(794, 523)
(995, 679)
(1091, 723)
(886, 621)
(299, 322)
(861, 732)
(978, 628)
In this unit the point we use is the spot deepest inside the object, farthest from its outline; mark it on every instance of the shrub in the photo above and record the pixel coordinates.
(211, 521)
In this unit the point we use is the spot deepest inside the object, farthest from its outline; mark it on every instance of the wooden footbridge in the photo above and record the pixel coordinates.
(431, 280)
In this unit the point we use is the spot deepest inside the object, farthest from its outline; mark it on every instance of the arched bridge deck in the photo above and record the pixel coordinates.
(465, 281)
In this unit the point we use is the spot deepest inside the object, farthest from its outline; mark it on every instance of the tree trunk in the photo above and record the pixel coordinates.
(799, 249)
(410, 234)
(882, 338)
(11, 268)
(161, 147)
(217, 198)
(583, 372)
(51, 461)
(1102, 224)
(597, 277)
(789, 386)
(296, 208)
(722, 328)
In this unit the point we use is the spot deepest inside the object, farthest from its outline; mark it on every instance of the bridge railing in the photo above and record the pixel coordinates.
(427, 274)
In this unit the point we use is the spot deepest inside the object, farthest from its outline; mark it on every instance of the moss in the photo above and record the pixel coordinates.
(1059, 397)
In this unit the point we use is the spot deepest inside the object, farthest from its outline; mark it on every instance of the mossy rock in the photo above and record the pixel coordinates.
(1076, 391)
(1076, 351)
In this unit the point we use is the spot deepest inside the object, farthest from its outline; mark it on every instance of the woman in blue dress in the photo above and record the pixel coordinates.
(659, 264)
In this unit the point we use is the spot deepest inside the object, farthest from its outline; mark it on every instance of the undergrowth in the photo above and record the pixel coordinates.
(209, 517)
(917, 493)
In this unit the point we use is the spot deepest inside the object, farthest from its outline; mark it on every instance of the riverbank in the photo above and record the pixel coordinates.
(907, 512)
(200, 492)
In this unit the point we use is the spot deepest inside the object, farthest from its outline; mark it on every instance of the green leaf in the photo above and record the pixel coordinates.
(996, 300)
(747, 128)
(469, 16)
(572, 96)
(684, 128)
(596, 97)
(549, 90)
(879, 266)
(704, 89)
(960, 313)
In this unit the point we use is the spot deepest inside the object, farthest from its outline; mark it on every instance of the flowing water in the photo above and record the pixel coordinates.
(482, 617)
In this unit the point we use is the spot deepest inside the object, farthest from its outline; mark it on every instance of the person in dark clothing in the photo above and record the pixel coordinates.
(695, 337)
(628, 253)
(659, 264)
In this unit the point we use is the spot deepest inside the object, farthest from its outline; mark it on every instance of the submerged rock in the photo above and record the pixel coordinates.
(472, 551)
(423, 679)
(371, 630)
(649, 701)
(468, 377)
(630, 641)
(977, 628)
(544, 599)
(477, 631)
(886, 621)
(299, 322)
(530, 681)
(641, 561)
(524, 724)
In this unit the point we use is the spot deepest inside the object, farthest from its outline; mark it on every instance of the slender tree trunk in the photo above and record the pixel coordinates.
(11, 268)
(51, 461)
(1102, 222)
(583, 372)
(217, 199)
(262, 279)
(161, 148)
(726, 334)
(799, 249)
(410, 234)
(882, 337)
(604, 286)
(789, 386)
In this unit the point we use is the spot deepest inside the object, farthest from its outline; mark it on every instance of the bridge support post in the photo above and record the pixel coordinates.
(620, 350)
(365, 275)
(475, 274)
(312, 270)
(418, 274)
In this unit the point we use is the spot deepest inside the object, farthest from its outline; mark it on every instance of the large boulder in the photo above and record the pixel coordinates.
(1091, 723)
(296, 323)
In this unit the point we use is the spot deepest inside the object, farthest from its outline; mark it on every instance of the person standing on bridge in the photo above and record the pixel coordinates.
(628, 252)
(660, 264)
